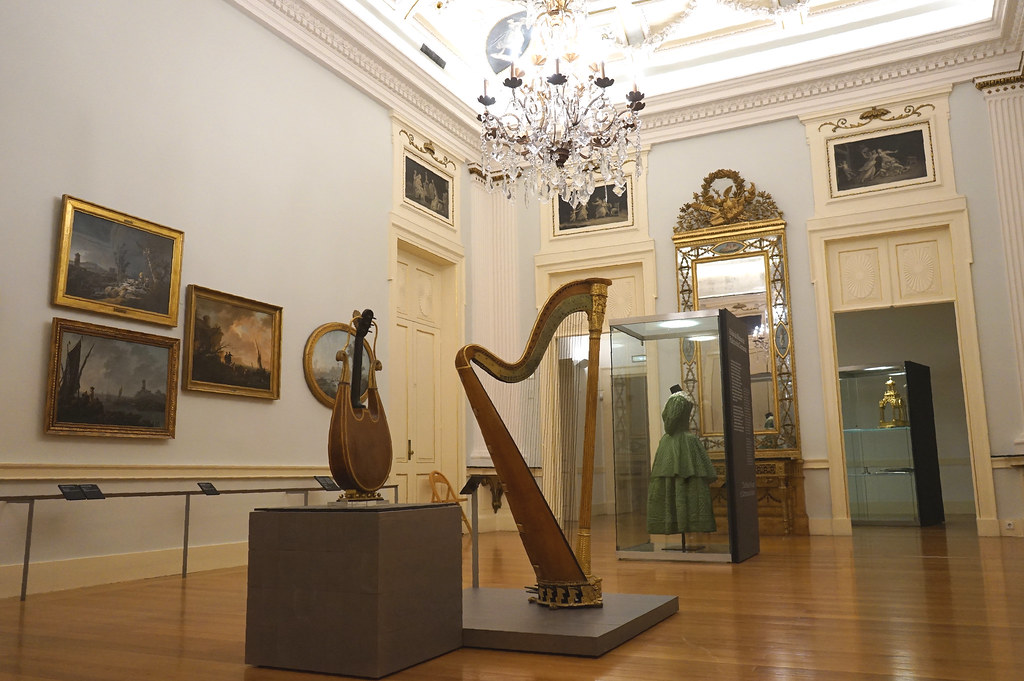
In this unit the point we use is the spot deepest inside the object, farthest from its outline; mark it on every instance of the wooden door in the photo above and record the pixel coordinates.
(416, 359)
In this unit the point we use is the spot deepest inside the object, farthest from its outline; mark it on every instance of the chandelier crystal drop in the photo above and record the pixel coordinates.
(560, 134)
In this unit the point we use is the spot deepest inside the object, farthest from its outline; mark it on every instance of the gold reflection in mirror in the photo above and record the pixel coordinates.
(731, 253)
(738, 285)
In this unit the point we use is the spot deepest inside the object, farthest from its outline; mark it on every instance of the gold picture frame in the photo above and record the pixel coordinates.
(110, 382)
(320, 366)
(893, 157)
(227, 342)
(117, 264)
(604, 210)
(428, 188)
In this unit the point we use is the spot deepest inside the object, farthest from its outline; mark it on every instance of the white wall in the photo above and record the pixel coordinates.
(189, 114)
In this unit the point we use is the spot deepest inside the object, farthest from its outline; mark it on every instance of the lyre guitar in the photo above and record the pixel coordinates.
(563, 577)
(359, 442)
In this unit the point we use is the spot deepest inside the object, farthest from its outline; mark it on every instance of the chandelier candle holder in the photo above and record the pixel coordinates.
(560, 133)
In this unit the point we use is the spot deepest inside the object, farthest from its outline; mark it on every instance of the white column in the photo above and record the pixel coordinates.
(1004, 94)
(493, 285)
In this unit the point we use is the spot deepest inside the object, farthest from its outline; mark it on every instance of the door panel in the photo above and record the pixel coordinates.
(416, 345)
(423, 395)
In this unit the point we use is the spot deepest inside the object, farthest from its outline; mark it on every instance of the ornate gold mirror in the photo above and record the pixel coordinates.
(731, 253)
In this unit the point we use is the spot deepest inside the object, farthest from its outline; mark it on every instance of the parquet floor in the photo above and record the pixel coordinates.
(888, 603)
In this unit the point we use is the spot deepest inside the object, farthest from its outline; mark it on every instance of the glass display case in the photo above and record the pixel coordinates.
(892, 465)
(665, 480)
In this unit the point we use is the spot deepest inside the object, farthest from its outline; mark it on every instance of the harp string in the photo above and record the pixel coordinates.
(545, 416)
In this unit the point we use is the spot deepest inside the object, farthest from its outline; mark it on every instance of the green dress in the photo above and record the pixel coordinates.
(679, 499)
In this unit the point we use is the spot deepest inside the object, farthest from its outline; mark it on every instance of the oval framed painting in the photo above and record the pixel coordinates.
(319, 363)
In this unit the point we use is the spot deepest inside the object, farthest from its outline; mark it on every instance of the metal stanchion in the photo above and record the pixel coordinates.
(28, 547)
(184, 542)
(472, 487)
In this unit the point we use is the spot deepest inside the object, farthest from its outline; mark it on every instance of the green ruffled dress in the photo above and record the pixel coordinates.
(679, 499)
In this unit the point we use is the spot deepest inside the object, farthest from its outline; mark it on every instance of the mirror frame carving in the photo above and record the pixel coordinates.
(740, 222)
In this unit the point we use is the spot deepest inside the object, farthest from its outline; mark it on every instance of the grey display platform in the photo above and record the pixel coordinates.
(503, 619)
(357, 590)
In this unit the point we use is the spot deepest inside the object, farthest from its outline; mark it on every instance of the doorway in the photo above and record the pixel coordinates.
(421, 347)
(868, 341)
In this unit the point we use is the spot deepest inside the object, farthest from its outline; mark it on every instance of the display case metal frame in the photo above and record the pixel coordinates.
(660, 335)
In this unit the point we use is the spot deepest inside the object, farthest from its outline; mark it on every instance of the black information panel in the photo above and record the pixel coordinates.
(208, 488)
(72, 492)
(740, 474)
(924, 446)
(327, 482)
(92, 491)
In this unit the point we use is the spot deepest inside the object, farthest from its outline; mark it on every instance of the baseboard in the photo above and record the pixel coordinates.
(1012, 528)
(496, 522)
(819, 526)
(839, 527)
(75, 573)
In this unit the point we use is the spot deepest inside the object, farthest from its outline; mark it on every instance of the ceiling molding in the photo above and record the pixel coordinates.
(883, 72)
(335, 37)
(1004, 81)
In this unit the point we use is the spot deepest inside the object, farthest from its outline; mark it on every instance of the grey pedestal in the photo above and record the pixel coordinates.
(503, 619)
(358, 591)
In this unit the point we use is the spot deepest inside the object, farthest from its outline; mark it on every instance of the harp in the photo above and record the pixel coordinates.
(563, 575)
(359, 441)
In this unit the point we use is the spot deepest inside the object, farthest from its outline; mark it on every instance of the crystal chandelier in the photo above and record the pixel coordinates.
(560, 134)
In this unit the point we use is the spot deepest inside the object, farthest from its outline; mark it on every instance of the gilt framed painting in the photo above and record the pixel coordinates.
(109, 381)
(232, 344)
(605, 209)
(116, 264)
(428, 188)
(890, 158)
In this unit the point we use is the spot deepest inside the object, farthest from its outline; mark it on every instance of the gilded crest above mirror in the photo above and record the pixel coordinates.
(730, 245)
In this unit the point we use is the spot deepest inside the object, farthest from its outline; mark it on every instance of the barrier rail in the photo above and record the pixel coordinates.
(188, 494)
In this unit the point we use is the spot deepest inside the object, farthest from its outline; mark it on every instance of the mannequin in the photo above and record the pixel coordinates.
(679, 497)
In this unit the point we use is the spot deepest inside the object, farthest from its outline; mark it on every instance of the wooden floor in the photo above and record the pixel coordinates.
(888, 603)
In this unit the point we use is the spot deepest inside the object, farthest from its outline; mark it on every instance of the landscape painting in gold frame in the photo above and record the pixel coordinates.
(321, 366)
(116, 264)
(109, 381)
(232, 344)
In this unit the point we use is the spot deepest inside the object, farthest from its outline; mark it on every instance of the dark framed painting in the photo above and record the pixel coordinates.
(232, 344)
(117, 264)
(604, 210)
(321, 365)
(429, 189)
(891, 158)
(109, 381)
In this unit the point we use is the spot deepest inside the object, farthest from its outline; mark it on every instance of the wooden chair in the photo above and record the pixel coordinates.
(441, 491)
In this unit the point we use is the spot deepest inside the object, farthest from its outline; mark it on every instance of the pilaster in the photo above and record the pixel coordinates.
(1004, 94)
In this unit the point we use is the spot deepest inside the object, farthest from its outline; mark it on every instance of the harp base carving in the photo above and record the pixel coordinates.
(572, 595)
(359, 495)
